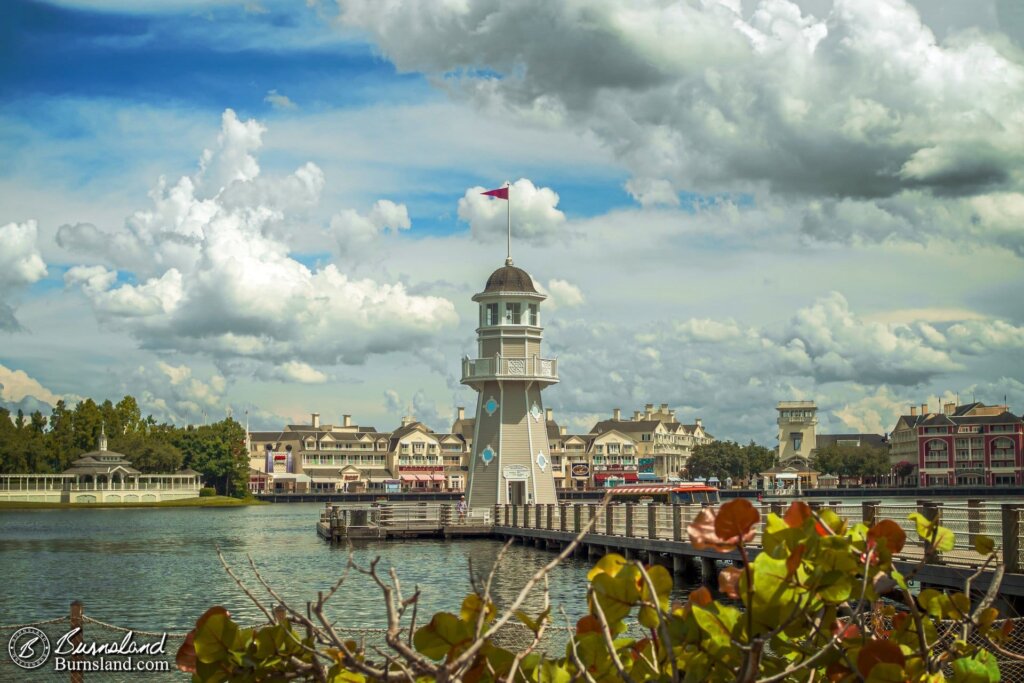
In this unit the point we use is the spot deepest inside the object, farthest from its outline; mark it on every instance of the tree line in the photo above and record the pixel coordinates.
(730, 460)
(41, 444)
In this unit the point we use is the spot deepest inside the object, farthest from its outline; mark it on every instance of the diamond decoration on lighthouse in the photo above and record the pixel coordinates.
(535, 412)
(542, 462)
(487, 455)
(491, 406)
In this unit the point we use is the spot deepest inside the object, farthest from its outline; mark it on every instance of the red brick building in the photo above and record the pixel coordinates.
(973, 444)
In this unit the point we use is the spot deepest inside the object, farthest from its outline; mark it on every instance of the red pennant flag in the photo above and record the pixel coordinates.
(500, 193)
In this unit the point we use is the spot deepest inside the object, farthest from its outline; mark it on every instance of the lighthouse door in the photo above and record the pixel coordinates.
(517, 492)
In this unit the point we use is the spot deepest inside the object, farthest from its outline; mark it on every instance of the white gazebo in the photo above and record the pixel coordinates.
(100, 476)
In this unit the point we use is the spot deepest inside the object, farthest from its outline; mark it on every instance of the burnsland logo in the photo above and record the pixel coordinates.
(29, 647)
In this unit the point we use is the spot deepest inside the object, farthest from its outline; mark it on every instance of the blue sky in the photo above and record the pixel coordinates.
(676, 204)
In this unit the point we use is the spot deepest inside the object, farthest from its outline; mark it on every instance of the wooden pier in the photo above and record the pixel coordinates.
(341, 523)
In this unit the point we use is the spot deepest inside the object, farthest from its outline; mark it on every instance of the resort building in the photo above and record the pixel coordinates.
(962, 445)
(100, 476)
(347, 457)
(660, 445)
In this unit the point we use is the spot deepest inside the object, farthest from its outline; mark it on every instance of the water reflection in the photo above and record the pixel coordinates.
(158, 569)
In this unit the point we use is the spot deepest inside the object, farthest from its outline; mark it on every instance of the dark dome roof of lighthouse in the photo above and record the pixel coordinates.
(510, 279)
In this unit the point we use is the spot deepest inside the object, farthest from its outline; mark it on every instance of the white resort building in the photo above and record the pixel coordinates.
(100, 476)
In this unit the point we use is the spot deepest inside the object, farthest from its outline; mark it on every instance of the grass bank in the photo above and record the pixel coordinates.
(209, 502)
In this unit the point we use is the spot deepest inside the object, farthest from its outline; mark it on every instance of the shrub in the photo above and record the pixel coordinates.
(806, 607)
(207, 492)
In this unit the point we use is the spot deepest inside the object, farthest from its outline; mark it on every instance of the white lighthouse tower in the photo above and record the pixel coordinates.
(511, 460)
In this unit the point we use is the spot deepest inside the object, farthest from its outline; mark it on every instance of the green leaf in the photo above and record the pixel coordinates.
(611, 564)
(442, 636)
(215, 638)
(533, 624)
(617, 594)
(661, 578)
(471, 606)
(981, 668)
(984, 545)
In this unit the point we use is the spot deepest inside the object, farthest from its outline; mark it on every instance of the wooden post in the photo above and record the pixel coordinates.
(77, 610)
(1011, 542)
(539, 519)
(652, 520)
(506, 514)
(629, 520)
(577, 518)
(497, 511)
(563, 522)
(515, 515)
(526, 516)
(869, 512)
(551, 515)
(974, 512)
(609, 519)
(677, 523)
(930, 510)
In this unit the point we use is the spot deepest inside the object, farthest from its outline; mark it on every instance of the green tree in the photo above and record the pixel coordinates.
(60, 440)
(148, 454)
(87, 421)
(218, 452)
(728, 459)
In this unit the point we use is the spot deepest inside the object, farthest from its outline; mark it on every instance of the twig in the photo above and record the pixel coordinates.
(666, 638)
(606, 633)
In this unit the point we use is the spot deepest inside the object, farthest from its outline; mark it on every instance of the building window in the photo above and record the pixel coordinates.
(798, 439)
(491, 314)
(513, 313)
(935, 453)
(1003, 453)
(534, 316)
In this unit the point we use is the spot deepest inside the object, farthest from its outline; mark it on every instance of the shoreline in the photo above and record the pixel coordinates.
(208, 502)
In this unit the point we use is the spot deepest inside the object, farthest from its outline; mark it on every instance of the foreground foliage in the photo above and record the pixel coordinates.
(808, 607)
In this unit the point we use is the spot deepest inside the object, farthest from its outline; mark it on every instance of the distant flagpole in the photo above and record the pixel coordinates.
(508, 242)
(503, 193)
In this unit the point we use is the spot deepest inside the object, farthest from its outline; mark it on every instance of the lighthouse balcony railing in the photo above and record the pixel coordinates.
(509, 367)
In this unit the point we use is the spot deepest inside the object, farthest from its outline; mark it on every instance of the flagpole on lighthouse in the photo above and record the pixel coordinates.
(508, 251)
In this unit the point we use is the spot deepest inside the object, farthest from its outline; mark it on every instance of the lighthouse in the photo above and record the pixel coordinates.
(511, 460)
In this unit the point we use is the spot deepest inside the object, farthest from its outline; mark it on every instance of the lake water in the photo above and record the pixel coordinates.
(157, 569)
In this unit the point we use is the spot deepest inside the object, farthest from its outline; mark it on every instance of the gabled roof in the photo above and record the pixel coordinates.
(935, 420)
(1004, 418)
(626, 426)
(554, 430)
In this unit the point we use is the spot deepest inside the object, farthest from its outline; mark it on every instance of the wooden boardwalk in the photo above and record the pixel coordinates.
(339, 524)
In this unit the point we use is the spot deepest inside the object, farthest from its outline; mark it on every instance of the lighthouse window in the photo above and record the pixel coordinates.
(491, 314)
(513, 314)
(533, 315)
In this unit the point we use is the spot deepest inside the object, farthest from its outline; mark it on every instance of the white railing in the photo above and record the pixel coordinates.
(500, 366)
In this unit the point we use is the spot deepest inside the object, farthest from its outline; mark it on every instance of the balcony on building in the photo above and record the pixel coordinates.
(503, 367)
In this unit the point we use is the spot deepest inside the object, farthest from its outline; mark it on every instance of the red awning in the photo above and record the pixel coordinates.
(438, 477)
(628, 477)
(409, 477)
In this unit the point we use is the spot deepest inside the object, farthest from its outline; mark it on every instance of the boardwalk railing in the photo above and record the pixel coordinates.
(1003, 523)
(403, 516)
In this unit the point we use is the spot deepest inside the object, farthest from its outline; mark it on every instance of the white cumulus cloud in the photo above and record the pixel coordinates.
(213, 278)
(535, 216)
